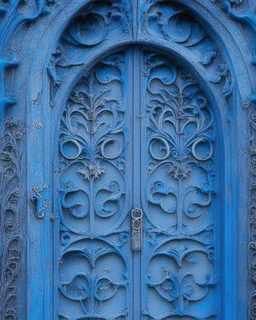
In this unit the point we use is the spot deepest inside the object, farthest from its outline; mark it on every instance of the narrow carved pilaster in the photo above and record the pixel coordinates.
(10, 227)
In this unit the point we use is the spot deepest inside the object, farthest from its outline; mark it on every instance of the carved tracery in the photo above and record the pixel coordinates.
(180, 146)
(180, 204)
(93, 201)
(178, 197)
(178, 167)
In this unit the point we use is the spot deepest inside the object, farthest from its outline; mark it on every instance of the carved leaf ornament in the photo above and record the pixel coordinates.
(139, 200)
(179, 173)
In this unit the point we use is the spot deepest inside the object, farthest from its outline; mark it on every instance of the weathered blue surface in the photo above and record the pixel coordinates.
(133, 186)
(147, 130)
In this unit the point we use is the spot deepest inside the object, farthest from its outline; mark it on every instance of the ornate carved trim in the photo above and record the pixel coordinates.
(11, 20)
(252, 255)
(10, 227)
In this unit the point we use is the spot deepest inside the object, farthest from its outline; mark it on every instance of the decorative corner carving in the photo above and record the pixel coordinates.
(10, 220)
(193, 38)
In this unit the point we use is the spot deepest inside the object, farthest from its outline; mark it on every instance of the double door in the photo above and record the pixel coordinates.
(138, 202)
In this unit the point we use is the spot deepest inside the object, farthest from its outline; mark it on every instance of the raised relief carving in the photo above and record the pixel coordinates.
(252, 256)
(93, 204)
(40, 203)
(96, 24)
(180, 200)
(10, 233)
(175, 24)
(233, 3)
(12, 17)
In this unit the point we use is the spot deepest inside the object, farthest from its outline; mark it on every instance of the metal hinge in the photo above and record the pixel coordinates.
(137, 219)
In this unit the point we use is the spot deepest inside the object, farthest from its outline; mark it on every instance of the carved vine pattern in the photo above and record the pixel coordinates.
(115, 18)
(92, 191)
(174, 24)
(93, 171)
(252, 257)
(94, 26)
(11, 236)
(181, 185)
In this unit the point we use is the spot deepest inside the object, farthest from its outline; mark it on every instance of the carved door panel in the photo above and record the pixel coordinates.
(125, 175)
(137, 193)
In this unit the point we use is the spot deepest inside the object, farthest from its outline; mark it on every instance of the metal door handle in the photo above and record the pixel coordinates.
(40, 203)
(137, 219)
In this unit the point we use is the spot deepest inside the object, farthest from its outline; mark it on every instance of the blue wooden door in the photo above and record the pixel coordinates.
(131, 136)
(138, 193)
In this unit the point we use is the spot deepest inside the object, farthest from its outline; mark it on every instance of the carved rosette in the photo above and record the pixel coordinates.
(10, 232)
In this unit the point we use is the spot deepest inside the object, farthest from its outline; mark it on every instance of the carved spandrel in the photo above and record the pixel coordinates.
(175, 24)
(92, 27)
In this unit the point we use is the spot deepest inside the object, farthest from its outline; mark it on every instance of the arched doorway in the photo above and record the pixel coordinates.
(132, 158)
(139, 193)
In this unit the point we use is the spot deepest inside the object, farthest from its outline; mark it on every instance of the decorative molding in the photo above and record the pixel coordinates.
(233, 3)
(10, 227)
(252, 236)
(249, 19)
(163, 19)
(11, 20)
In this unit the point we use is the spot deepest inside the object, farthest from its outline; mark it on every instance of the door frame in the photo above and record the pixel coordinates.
(36, 111)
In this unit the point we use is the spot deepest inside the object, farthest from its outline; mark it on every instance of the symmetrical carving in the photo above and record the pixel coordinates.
(93, 201)
(178, 172)
(181, 269)
(95, 163)
(10, 226)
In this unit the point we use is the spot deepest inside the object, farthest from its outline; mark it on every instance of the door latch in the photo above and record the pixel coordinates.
(137, 219)
(40, 203)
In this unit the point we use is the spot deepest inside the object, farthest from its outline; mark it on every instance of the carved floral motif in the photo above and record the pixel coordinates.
(97, 24)
(11, 238)
(252, 256)
(175, 24)
(91, 170)
(180, 188)
(92, 195)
